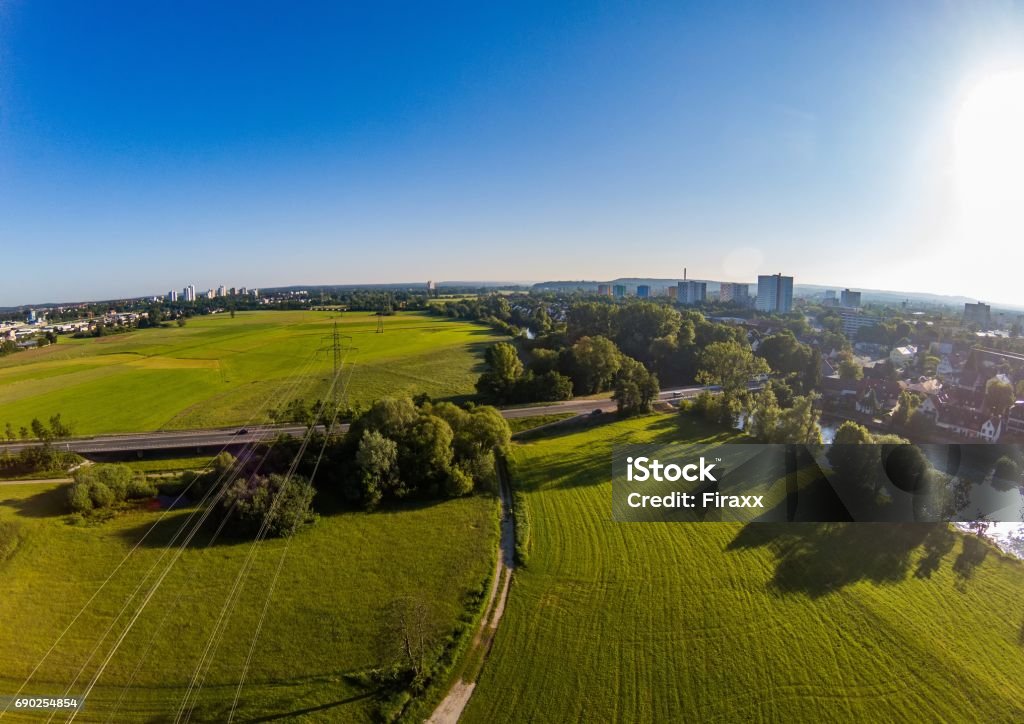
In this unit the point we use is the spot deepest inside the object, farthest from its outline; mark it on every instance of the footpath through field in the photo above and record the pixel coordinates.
(451, 707)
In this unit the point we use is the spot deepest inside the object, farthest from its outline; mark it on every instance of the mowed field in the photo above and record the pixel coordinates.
(218, 371)
(324, 620)
(720, 622)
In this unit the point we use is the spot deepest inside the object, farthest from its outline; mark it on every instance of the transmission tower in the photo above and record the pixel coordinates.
(337, 344)
(380, 322)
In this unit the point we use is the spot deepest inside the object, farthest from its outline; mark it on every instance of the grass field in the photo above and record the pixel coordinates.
(719, 622)
(324, 619)
(218, 371)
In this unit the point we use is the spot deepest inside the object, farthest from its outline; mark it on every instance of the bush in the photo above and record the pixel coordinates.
(458, 483)
(79, 499)
(284, 504)
(115, 478)
(101, 495)
(141, 488)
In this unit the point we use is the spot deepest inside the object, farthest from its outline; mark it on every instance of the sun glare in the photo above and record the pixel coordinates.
(989, 161)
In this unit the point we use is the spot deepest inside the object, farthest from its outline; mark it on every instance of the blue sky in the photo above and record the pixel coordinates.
(145, 146)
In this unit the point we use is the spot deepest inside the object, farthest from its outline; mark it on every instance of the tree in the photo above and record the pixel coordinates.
(849, 368)
(636, 389)
(905, 408)
(730, 365)
(504, 368)
(409, 635)
(9, 432)
(799, 423)
(181, 321)
(638, 324)
(595, 362)
(39, 429)
(852, 456)
(425, 455)
(377, 458)
(791, 360)
(278, 504)
(998, 396)
(590, 319)
(58, 428)
(763, 414)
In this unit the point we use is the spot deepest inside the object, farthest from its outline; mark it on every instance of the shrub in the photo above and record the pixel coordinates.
(115, 478)
(101, 495)
(458, 483)
(79, 499)
(285, 504)
(140, 488)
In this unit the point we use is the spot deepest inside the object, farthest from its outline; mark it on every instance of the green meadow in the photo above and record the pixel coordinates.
(725, 622)
(218, 371)
(324, 620)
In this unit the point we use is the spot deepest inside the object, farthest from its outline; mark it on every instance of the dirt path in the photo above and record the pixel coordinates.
(451, 707)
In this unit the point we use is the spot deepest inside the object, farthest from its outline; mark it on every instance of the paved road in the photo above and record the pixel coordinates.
(196, 439)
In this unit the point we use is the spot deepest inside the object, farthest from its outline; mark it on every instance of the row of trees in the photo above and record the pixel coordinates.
(591, 365)
(57, 430)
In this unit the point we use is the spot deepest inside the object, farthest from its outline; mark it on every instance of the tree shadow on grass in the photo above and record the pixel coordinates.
(972, 553)
(816, 559)
(48, 504)
(174, 529)
(221, 713)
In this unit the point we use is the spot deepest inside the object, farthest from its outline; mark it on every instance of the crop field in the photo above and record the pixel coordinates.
(724, 622)
(218, 371)
(324, 620)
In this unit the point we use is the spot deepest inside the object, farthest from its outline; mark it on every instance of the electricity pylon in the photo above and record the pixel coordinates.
(336, 347)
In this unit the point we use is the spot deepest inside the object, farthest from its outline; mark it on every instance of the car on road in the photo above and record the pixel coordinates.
(597, 411)
(243, 431)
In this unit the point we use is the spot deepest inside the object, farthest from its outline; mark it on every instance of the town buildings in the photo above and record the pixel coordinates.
(774, 293)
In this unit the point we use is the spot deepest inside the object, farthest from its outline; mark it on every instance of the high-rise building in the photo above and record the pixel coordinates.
(853, 320)
(830, 295)
(172, 296)
(731, 292)
(774, 293)
(604, 290)
(691, 292)
(189, 293)
(619, 291)
(673, 292)
(979, 313)
(222, 291)
(643, 291)
(849, 299)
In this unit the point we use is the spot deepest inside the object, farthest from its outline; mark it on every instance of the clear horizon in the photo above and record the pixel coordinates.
(876, 146)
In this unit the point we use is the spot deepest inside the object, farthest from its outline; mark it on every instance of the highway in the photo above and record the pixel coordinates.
(214, 438)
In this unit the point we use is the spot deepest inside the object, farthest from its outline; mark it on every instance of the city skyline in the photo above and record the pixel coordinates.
(531, 143)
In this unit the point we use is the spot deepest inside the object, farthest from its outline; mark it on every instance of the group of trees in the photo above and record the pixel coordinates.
(102, 486)
(506, 380)
(38, 458)
(399, 450)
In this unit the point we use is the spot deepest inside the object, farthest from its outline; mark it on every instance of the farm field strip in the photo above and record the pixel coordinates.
(718, 621)
(212, 371)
